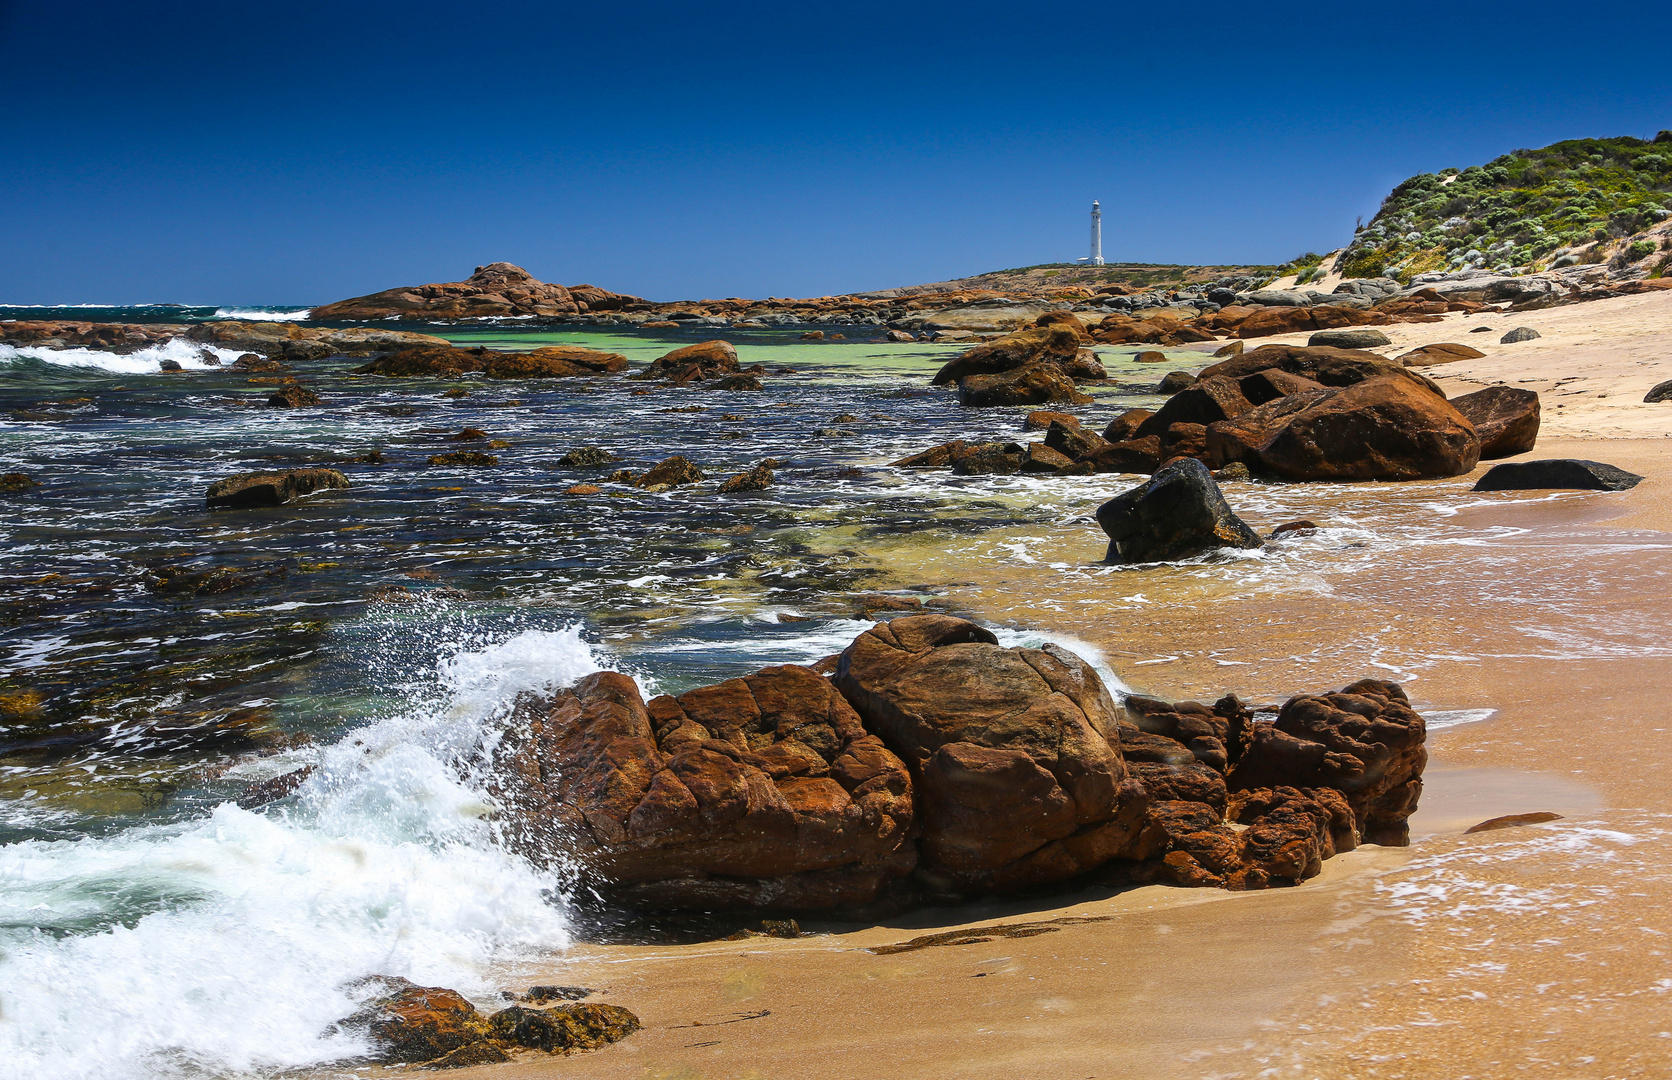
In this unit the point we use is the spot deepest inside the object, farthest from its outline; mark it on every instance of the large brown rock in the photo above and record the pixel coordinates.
(1211, 399)
(1179, 512)
(1505, 417)
(1267, 321)
(708, 358)
(438, 360)
(1442, 353)
(1365, 742)
(411, 1023)
(1036, 384)
(1386, 428)
(1054, 342)
(764, 791)
(1009, 748)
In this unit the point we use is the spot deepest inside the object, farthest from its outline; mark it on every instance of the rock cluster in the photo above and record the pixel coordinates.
(498, 289)
(936, 764)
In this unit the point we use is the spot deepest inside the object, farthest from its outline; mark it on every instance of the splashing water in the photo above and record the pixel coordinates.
(229, 943)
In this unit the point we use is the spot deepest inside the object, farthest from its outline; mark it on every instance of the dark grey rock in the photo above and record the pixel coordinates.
(271, 489)
(1480, 330)
(1348, 339)
(586, 457)
(1662, 392)
(1177, 513)
(1556, 473)
(1222, 296)
(1520, 333)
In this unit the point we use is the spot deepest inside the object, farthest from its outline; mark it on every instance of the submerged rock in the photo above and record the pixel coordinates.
(292, 397)
(669, 473)
(1177, 513)
(271, 489)
(468, 458)
(586, 457)
(411, 1023)
(1557, 473)
(758, 478)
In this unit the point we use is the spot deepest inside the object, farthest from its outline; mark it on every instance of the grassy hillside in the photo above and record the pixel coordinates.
(1575, 201)
(1050, 276)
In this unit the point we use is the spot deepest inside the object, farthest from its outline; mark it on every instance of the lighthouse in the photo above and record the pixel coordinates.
(1096, 234)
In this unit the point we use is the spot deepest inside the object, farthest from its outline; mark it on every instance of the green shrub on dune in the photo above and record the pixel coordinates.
(1519, 212)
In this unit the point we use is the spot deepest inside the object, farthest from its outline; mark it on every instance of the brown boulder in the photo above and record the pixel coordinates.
(1443, 353)
(1385, 428)
(1242, 439)
(292, 397)
(1067, 319)
(669, 473)
(1043, 459)
(1085, 367)
(1505, 417)
(1365, 742)
(1024, 347)
(271, 489)
(1141, 455)
(1274, 383)
(1009, 749)
(936, 457)
(425, 360)
(758, 478)
(498, 289)
(1268, 321)
(1126, 425)
(1211, 399)
(989, 458)
(764, 791)
(1040, 419)
(1036, 384)
(585, 1026)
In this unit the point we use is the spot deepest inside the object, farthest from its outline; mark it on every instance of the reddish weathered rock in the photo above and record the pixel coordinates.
(553, 362)
(1073, 441)
(1386, 428)
(1322, 364)
(1066, 319)
(1016, 780)
(764, 791)
(1126, 425)
(440, 360)
(1274, 383)
(1442, 353)
(1125, 456)
(1211, 399)
(669, 473)
(704, 360)
(1365, 742)
(410, 1023)
(1043, 459)
(1040, 419)
(292, 397)
(1036, 384)
(1505, 417)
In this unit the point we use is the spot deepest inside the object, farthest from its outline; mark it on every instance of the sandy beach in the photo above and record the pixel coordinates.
(1530, 951)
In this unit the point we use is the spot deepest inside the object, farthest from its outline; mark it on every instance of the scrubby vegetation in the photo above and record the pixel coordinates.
(1570, 202)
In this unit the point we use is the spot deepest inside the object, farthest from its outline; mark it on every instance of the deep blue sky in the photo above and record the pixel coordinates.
(302, 152)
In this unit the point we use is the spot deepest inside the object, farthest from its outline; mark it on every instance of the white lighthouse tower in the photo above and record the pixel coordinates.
(1096, 234)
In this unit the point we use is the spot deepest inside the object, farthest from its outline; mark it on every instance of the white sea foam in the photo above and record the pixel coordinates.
(228, 944)
(146, 361)
(263, 314)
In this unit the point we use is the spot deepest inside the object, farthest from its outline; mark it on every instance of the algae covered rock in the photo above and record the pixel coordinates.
(584, 1026)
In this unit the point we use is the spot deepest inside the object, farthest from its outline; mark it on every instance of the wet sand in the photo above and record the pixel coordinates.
(1531, 951)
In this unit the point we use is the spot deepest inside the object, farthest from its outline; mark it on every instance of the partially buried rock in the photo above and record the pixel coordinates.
(1442, 353)
(1302, 527)
(1009, 751)
(271, 489)
(758, 478)
(14, 482)
(1150, 357)
(582, 489)
(292, 397)
(1177, 513)
(410, 1023)
(739, 382)
(1661, 392)
(1505, 417)
(1520, 333)
(553, 362)
(984, 459)
(1557, 473)
(669, 473)
(1348, 339)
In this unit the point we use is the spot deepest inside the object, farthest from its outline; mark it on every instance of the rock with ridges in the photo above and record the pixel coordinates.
(1348, 339)
(1016, 780)
(1177, 513)
(1660, 392)
(1556, 473)
(1035, 384)
(1520, 333)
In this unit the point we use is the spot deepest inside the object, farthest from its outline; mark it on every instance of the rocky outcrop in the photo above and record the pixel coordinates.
(498, 289)
(271, 489)
(936, 765)
(1325, 366)
(1036, 384)
(704, 360)
(1015, 778)
(1505, 417)
(292, 397)
(1444, 352)
(444, 361)
(1177, 513)
(1557, 473)
(758, 792)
